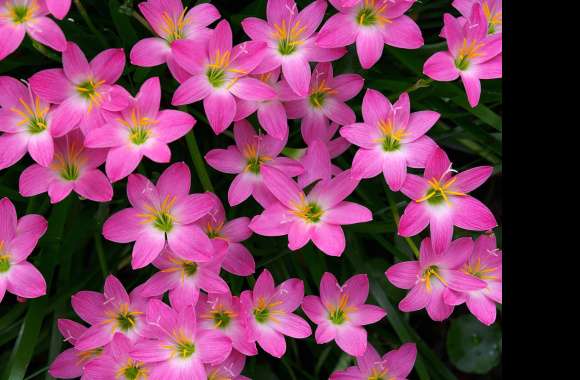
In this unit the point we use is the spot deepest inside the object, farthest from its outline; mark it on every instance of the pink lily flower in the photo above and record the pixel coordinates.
(219, 75)
(184, 278)
(396, 365)
(177, 348)
(247, 159)
(371, 24)
(18, 238)
(431, 275)
(172, 22)
(325, 100)
(228, 235)
(390, 139)
(492, 9)
(85, 91)
(472, 55)
(142, 130)
(230, 369)
(442, 201)
(27, 123)
(340, 312)
(162, 215)
(21, 17)
(271, 113)
(116, 363)
(223, 313)
(113, 311)
(73, 168)
(317, 216)
(58, 8)
(290, 36)
(268, 312)
(484, 263)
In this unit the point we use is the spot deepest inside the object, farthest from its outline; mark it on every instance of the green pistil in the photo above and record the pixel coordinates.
(221, 319)
(462, 63)
(139, 135)
(126, 321)
(163, 222)
(437, 198)
(253, 164)
(70, 172)
(4, 264)
(87, 89)
(317, 99)
(185, 349)
(36, 125)
(286, 47)
(366, 17)
(20, 14)
(133, 372)
(190, 268)
(391, 144)
(491, 28)
(337, 317)
(261, 315)
(313, 213)
(216, 76)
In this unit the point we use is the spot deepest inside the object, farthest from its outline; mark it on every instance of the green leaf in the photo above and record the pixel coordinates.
(472, 346)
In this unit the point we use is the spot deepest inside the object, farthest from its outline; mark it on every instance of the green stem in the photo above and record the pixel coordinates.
(101, 254)
(198, 162)
(44, 51)
(396, 217)
(142, 21)
(90, 24)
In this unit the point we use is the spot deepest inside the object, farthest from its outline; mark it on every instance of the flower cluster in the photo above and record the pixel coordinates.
(72, 120)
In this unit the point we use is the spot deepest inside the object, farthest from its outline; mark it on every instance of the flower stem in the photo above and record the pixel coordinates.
(142, 21)
(198, 162)
(101, 254)
(44, 51)
(90, 24)
(396, 216)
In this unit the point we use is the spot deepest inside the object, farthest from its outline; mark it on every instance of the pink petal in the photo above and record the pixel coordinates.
(220, 108)
(59, 9)
(416, 299)
(115, 291)
(471, 179)
(272, 117)
(437, 309)
(89, 306)
(338, 112)
(10, 39)
(221, 39)
(369, 46)
(331, 193)
(415, 187)
(272, 342)
(367, 163)
(59, 190)
(293, 326)
(192, 90)
(472, 86)
(366, 315)
(121, 162)
(34, 180)
(252, 89)
(404, 275)
(148, 98)
(47, 32)
(226, 160)
(329, 238)
(311, 17)
(325, 332)
(94, 185)
(277, 10)
(403, 32)
(66, 365)
(471, 214)
(107, 136)
(347, 86)
(108, 65)
(417, 154)
(299, 235)
(282, 186)
(150, 352)
(241, 188)
(12, 149)
(174, 181)
(272, 222)
(173, 125)
(75, 64)
(375, 108)
(314, 310)
(400, 362)
(193, 207)
(190, 242)
(491, 69)
(214, 347)
(239, 260)
(352, 340)
(265, 286)
(67, 116)
(395, 170)
(437, 165)
(297, 73)
(441, 228)
(440, 67)
(339, 30)
(237, 230)
(348, 213)
(51, 85)
(482, 308)
(159, 283)
(147, 247)
(149, 52)
(461, 281)
(25, 281)
(419, 123)
(257, 29)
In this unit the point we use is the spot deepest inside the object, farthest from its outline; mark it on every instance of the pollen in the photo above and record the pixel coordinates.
(289, 36)
(139, 127)
(338, 314)
(33, 118)
(319, 94)
(310, 212)
(174, 29)
(372, 12)
(132, 370)
(439, 192)
(161, 217)
(89, 90)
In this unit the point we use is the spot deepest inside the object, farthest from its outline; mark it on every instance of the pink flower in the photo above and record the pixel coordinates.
(27, 123)
(248, 158)
(69, 364)
(230, 369)
(431, 275)
(74, 168)
(371, 24)
(340, 312)
(229, 235)
(219, 75)
(20, 17)
(223, 313)
(110, 312)
(472, 55)
(290, 38)
(142, 130)
(268, 313)
(492, 9)
(271, 113)
(18, 238)
(162, 215)
(116, 363)
(325, 100)
(85, 92)
(484, 263)
(58, 8)
(317, 216)
(442, 201)
(390, 139)
(183, 278)
(176, 348)
(395, 365)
